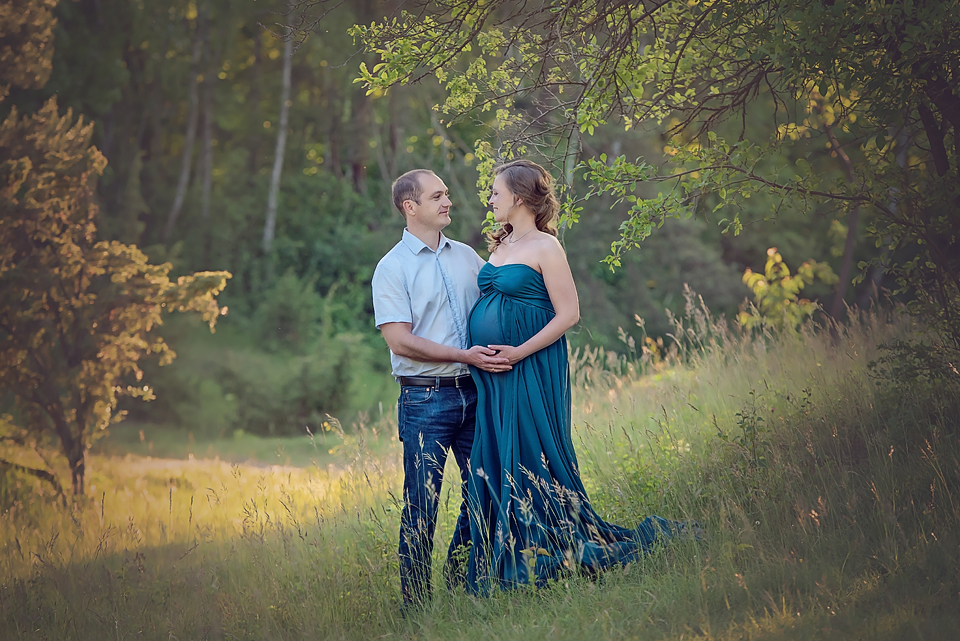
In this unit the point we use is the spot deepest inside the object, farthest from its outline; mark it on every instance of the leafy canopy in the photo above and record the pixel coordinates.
(881, 75)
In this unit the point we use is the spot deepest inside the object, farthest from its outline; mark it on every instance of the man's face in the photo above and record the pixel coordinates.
(433, 211)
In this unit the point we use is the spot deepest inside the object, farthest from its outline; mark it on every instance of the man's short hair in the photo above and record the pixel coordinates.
(408, 187)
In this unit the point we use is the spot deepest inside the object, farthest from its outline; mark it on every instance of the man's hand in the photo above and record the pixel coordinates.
(404, 343)
(486, 359)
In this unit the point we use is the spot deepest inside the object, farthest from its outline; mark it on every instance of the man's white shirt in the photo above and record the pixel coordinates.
(433, 291)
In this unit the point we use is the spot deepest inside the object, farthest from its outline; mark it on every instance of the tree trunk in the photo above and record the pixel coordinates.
(191, 133)
(334, 136)
(333, 106)
(77, 472)
(360, 123)
(935, 138)
(846, 264)
(108, 131)
(206, 147)
(393, 133)
(385, 174)
(273, 196)
(572, 157)
(360, 142)
(71, 444)
(253, 102)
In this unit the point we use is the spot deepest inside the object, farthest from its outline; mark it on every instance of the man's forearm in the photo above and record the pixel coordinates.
(404, 343)
(426, 351)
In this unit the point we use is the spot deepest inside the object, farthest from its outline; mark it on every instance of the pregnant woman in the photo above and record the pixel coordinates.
(530, 516)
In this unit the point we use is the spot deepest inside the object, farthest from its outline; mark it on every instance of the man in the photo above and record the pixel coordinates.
(423, 290)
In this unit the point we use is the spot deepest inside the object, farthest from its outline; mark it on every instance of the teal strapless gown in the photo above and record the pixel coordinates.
(530, 517)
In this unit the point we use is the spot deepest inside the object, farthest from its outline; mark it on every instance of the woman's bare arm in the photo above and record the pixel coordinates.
(551, 261)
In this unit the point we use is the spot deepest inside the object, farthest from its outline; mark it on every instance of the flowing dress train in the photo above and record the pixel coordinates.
(530, 516)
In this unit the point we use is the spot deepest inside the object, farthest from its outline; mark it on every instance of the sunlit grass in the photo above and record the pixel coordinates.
(831, 499)
(324, 448)
(199, 548)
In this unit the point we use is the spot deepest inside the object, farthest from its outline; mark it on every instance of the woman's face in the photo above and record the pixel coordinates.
(502, 200)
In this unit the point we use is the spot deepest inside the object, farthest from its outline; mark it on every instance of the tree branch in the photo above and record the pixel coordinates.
(43, 475)
(935, 136)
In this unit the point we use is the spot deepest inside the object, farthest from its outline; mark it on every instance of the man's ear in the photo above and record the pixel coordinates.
(408, 208)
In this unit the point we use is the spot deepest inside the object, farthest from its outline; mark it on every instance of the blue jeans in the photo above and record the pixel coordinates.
(432, 420)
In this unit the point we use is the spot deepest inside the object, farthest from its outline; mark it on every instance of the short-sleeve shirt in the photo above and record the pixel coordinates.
(434, 291)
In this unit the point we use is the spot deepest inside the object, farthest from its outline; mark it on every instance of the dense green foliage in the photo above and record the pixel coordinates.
(26, 51)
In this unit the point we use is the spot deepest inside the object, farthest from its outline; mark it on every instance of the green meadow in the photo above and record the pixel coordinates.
(828, 486)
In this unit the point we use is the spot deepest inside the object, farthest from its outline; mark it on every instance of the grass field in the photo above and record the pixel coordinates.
(830, 496)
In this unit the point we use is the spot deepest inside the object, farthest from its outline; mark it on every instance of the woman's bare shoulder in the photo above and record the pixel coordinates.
(549, 252)
(549, 243)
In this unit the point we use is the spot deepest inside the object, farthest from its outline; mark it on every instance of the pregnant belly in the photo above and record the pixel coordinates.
(485, 322)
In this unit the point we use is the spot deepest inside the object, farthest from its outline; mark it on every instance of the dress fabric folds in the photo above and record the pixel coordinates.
(530, 517)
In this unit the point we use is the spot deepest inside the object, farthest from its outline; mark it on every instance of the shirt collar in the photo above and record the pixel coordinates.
(415, 245)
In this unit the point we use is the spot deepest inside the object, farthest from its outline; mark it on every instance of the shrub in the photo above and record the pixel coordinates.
(218, 386)
(776, 293)
(289, 314)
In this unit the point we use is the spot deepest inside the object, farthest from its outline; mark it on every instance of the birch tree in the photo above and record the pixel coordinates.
(193, 112)
(273, 196)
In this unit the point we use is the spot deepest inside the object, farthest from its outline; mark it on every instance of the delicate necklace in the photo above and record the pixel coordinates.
(517, 240)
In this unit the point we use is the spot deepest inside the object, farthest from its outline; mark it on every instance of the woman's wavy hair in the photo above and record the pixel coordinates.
(532, 184)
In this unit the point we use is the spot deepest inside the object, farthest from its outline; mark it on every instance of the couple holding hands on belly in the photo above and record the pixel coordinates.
(478, 348)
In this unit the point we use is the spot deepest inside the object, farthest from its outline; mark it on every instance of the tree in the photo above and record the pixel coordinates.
(206, 149)
(557, 70)
(76, 313)
(273, 197)
(201, 36)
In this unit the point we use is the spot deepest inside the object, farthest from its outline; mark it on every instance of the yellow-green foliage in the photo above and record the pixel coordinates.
(847, 529)
(776, 293)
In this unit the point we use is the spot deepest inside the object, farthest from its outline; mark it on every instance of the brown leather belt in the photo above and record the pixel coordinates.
(463, 380)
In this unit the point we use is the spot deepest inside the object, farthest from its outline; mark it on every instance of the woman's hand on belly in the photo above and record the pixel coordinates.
(513, 355)
(487, 359)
